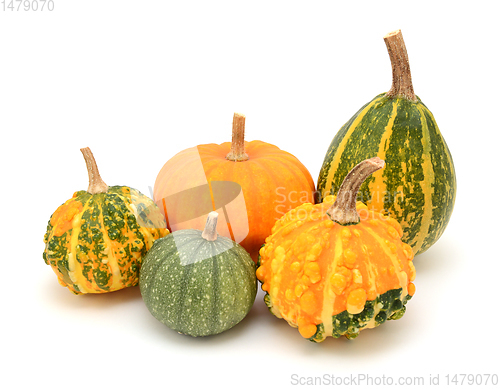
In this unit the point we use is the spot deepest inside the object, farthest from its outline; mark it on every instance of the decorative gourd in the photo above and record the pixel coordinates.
(331, 271)
(198, 180)
(95, 241)
(418, 187)
(198, 283)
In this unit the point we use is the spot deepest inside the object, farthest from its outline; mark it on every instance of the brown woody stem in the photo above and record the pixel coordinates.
(237, 152)
(343, 210)
(210, 231)
(96, 184)
(401, 75)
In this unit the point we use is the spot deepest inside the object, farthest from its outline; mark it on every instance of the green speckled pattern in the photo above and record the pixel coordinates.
(198, 287)
(95, 243)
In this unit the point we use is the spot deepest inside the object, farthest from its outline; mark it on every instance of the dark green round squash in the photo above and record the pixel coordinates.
(198, 283)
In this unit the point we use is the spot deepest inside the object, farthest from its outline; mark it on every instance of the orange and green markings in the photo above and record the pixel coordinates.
(58, 238)
(62, 219)
(95, 243)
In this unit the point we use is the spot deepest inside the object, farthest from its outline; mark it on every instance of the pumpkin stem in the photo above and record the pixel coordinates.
(96, 184)
(210, 231)
(343, 210)
(401, 75)
(237, 152)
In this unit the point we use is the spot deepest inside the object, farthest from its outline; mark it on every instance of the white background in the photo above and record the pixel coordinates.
(138, 81)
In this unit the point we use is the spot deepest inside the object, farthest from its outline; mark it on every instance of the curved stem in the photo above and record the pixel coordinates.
(343, 211)
(401, 75)
(237, 152)
(96, 184)
(210, 231)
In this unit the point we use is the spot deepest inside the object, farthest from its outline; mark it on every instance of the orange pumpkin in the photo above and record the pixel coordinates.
(331, 271)
(250, 184)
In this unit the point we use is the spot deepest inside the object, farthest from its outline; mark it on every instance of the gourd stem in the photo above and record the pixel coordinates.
(343, 211)
(401, 75)
(210, 231)
(96, 184)
(237, 152)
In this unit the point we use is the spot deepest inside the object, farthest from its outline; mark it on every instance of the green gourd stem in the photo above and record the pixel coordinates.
(237, 152)
(210, 231)
(401, 75)
(96, 184)
(343, 211)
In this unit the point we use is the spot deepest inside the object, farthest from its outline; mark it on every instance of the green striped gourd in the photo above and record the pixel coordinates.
(418, 186)
(198, 283)
(96, 240)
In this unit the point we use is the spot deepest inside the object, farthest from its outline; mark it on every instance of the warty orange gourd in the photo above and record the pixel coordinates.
(337, 268)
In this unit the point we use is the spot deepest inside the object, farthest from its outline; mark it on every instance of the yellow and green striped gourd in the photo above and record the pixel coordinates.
(418, 186)
(96, 240)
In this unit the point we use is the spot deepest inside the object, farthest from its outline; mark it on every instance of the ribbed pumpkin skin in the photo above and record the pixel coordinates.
(333, 280)
(273, 181)
(198, 287)
(417, 186)
(95, 243)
